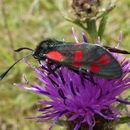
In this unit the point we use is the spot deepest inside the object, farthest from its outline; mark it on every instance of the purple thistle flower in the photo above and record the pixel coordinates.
(73, 96)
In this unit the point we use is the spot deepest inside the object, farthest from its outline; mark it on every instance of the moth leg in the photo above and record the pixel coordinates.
(49, 69)
(115, 50)
(52, 71)
(92, 79)
(39, 61)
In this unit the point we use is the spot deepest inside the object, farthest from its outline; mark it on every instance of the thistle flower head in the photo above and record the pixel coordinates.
(85, 8)
(74, 96)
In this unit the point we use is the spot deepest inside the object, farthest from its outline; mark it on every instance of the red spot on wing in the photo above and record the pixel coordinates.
(54, 55)
(77, 43)
(104, 59)
(76, 64)
(78, 56)
(94, 67)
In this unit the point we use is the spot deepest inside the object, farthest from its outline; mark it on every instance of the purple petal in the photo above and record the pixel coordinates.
(84, 37)
(69, 93)
(74, 34)
(123, 101)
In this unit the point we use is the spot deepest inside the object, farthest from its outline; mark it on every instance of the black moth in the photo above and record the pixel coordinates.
(91, 58)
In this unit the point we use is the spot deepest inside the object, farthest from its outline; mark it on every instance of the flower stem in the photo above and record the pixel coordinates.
(92, 30)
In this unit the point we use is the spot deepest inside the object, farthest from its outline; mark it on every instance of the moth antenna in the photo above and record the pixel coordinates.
(4, 74)
(24, 48)
(115, 50)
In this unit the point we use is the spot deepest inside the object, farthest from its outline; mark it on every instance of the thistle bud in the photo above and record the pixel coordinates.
(91, 15)
(85, 8)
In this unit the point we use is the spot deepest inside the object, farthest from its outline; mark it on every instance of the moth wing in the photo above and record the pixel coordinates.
(65, 53)
(104, 64)
(88, 57)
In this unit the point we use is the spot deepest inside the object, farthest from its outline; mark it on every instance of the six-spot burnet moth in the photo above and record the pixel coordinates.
(84, 56)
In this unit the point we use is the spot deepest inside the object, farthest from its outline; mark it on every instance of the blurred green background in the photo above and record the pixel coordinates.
(24, 23)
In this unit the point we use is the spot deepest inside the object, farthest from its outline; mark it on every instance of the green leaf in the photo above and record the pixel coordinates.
(92, 30)
(122, 105)
(102, 26)
(77, 22)
(123, 120)
(107, 11)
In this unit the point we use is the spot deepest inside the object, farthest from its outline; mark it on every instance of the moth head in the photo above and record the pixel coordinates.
(44, 47)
